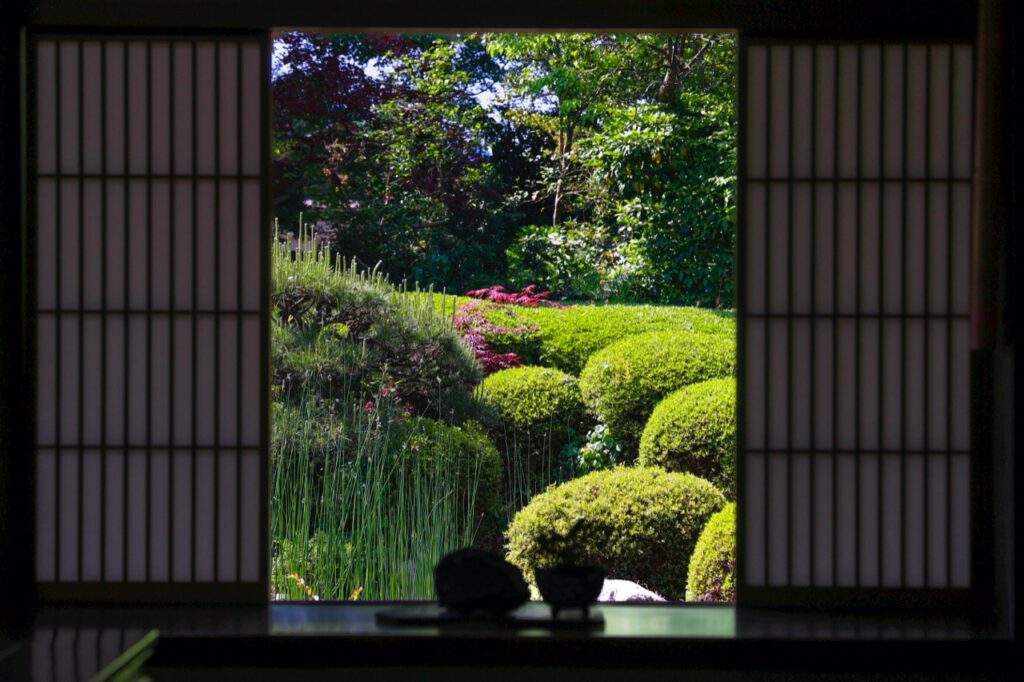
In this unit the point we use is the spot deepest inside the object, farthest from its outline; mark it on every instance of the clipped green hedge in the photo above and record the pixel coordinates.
(566, 338)
(694, 430)
(540, 407)
(463, 455)
(642, 524)
(622, 383)
(712, 572)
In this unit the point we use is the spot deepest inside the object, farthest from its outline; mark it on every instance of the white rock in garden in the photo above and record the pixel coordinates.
(627, 590)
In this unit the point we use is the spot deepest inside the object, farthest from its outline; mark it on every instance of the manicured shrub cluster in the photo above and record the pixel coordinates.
(567, 338)
(641, 524)
(694, 430)
(340, 330)
(712, 572)
(622, 383)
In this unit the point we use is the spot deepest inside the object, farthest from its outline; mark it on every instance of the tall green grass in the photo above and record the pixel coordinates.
(353, 512)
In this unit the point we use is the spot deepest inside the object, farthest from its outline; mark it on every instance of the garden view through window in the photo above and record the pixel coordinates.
(502, 309)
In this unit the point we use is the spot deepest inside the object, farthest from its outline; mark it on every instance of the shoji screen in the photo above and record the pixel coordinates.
(854, 346)
(150, 280)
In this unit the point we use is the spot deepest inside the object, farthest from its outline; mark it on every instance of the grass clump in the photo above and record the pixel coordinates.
(622, 383)
(694, 430)
(641, 524)
(712, 571)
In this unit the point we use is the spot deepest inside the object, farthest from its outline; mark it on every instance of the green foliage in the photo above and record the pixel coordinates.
(470, 460)
(641, 524)
(339, 330)
(367, 501)
(566, 338)
(712, 571)
(622, 383)
(600, 451)
(694, 429)
(536, 415)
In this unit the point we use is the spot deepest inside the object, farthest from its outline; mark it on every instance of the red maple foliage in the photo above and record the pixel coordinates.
(527, 296)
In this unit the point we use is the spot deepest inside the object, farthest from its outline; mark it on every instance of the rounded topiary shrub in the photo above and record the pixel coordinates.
(641, 524)
(622, 383)
(540, 408)
(694, 430)
(712, 574)
(462, 458)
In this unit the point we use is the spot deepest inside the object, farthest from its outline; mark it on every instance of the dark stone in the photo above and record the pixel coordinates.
(474, 580)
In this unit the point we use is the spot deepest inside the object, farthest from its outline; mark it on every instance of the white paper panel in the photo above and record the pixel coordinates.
(183, 105)
(228, 366)
(252, 106)
(205, 114)
(250, 396)
(892, 521)
(753, 507)
(182, 240)
(868, 510)
(227, 516)
(138, 379)
(181, 533)
(823, 519)
(868, 385)
(757, 248)
(46, 380)
(117, 380)
(92, 503)
(46, 107)
(846, 520)
(160, 525)
(205, 360)
(206, 245)
(46, 541)
(136, 510)
(253, 233)
(138, 244)
(960, 516)
(755, 370)
(46, 226)
(181, 368)
(250, 516)
(757, 92)
(116, 245)
(228, 246)
(114, 535)
(160, 245)
(69, 101)
(800, 539)
(778, 246)
(870, 111)
(779, 107)
(92, 380)
(68, 376)
(227, 100)
(114, 95)
(68, 515)
(160, 108)
(92, 120)
(92, 245)
(204, 515)
(138, 108)
(160, 380)
(70, 240)
(778, 525)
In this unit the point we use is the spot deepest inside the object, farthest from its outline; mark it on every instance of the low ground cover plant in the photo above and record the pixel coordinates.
(642, 524)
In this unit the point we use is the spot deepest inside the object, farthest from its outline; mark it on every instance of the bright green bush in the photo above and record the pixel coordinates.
(694, 429)
(567, 337)
(622, 383)
(712, 573)
(338, 330)
(641, 524)
(536, 415)
(539, 404)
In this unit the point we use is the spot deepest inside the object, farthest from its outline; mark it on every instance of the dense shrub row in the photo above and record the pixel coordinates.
(712, 571)
(622, 383)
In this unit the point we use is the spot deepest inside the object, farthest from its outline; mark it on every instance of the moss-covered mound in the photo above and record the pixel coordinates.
(538, 408)
(694, 430)
(712, 574)
(641, 524)
(342, 333)
(622, 383)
